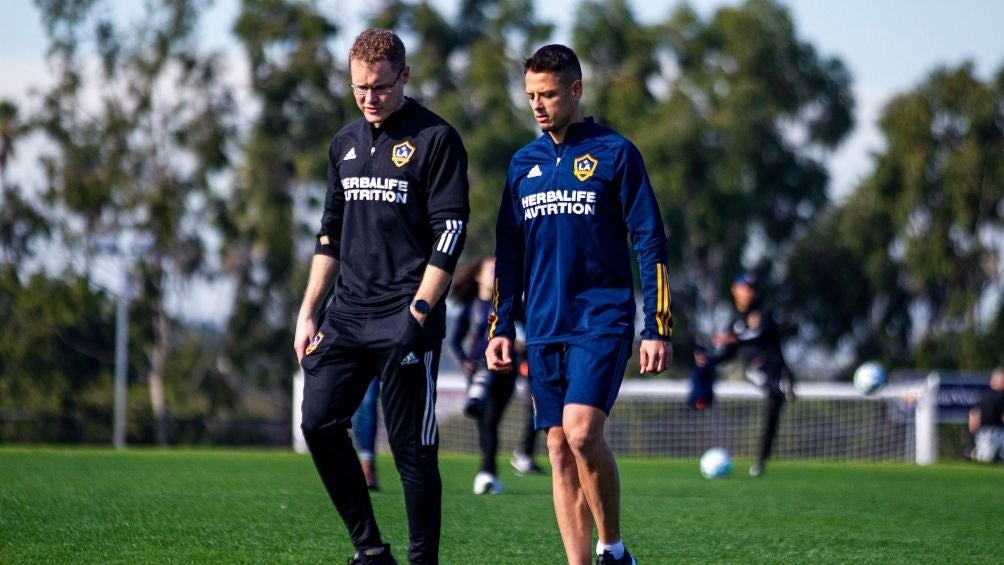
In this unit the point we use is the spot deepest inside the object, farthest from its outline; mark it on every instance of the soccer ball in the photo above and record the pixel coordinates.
(869, 377)
(716, 463)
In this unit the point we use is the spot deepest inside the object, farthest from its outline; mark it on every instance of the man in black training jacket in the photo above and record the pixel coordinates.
(392, 230)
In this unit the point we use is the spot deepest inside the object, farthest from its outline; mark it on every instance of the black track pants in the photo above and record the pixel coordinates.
(350, 351)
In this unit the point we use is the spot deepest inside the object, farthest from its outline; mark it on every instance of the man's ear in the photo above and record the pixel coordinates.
(577, 90)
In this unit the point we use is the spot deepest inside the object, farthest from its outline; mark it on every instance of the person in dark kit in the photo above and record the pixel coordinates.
(986, 421)
(392, 229)
(755, 337)
(489, 392)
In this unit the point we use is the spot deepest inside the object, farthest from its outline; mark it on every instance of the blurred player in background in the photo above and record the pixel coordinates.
(488, 392)
(391, 232)
(754, 336)
(986, 421)
(522, 459)
(364, 427)
(572, 198)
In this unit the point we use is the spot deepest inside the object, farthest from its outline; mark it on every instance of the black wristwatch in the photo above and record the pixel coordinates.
(421, 306)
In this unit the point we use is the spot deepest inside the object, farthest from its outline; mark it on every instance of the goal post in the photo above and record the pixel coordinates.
(299, 443)
(927, 419)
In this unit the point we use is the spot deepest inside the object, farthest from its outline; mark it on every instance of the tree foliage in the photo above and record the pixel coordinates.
(21, 221)
(913, 256)
(56, 347)
(302, 95)
(135, 142)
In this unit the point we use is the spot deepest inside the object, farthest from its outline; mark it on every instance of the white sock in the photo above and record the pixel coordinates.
(616, 549)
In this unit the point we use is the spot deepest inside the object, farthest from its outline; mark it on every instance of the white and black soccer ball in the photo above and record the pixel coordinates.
(716, 463)
(869, 377)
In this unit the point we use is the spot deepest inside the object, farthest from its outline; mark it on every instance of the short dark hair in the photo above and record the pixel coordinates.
(374, 45)
(557, 59)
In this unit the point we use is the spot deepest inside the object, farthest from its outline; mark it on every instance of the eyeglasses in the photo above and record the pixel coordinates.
(377, 89)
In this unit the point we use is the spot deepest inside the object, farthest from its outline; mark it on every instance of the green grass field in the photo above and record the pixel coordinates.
(216, 506)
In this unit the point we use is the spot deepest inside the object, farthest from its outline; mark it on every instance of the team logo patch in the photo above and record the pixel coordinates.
(314, 343)
(584, 167)
(402, 153)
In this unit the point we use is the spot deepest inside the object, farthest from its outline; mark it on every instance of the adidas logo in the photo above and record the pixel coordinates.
(350, 155)
(534, 172)
(410, 359)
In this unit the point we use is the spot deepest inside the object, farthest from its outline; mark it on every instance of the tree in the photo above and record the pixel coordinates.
(620, 54)
(303, 101)
(21, 222)
(56, 346)
(918, 245)
(137, 142)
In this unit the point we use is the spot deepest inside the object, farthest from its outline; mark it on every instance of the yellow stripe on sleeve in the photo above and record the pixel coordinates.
(663, 316)
(492, 316)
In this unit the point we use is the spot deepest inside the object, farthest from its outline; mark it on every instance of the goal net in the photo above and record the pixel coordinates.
(828, 421)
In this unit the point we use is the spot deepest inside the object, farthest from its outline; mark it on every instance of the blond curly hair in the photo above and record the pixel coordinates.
(375, 45)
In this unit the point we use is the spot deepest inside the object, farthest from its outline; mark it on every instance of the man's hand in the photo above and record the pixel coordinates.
(419, 316)
(655, 355)
(323, 270)
(499, 354)
(305, 330)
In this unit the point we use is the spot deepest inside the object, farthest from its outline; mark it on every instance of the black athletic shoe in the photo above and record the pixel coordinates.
(382, 558)
(608, 559)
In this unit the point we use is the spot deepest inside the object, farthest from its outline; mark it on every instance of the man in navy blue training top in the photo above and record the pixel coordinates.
(572, 199)
(392, 229)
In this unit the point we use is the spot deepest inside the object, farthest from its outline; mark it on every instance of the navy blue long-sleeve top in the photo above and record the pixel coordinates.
(566, 215)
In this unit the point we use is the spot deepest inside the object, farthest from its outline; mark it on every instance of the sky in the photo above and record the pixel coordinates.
(888, 45)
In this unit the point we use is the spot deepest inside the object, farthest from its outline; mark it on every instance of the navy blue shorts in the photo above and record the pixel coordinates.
(586, 372)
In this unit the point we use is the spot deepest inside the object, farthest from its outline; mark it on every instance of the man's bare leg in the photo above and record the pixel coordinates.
(575, 522)
(598, 477)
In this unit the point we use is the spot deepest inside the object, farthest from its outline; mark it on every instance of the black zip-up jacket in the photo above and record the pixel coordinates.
(397, 200)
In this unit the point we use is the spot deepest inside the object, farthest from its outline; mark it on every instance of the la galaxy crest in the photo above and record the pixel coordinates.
(584, 167)
(401, 153)
(314, 343)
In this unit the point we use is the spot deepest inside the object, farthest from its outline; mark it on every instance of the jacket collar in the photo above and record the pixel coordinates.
(577, 130)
